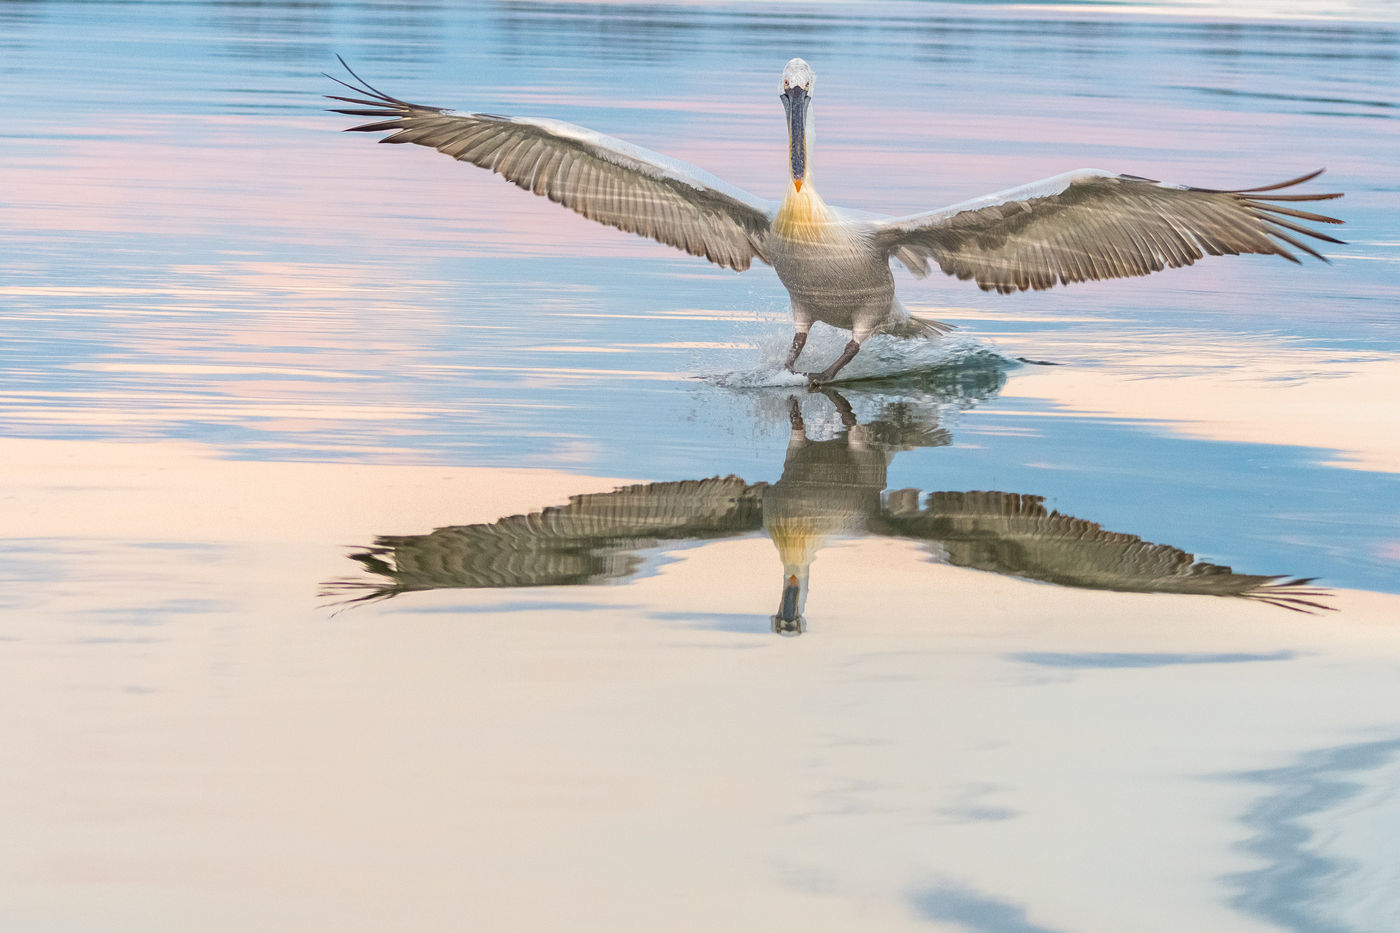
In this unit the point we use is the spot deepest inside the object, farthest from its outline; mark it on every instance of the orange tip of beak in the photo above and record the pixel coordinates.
(798, 183)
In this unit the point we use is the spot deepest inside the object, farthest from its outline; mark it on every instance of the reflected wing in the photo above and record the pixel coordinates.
(1015, 535)
(604, 179)
(1091, 224)
(591, 540)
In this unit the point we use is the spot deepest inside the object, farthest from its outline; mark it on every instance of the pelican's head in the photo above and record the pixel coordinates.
(798, 79)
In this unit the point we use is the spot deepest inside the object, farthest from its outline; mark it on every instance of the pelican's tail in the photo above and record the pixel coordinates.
(912, 326)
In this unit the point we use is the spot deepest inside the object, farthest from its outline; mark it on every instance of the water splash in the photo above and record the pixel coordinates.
(881, 358)
(910, 387)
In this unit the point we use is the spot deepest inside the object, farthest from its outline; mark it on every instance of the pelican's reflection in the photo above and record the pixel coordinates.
(832, 487)
(829, 487)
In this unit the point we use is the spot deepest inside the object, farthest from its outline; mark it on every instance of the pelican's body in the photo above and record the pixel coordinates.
(1081, 225)
(833, 273)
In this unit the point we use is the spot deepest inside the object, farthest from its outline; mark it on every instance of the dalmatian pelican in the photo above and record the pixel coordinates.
(1074, 227)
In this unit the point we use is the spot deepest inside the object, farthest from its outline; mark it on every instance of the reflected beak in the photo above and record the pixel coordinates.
(788, 620)
(795, 102)
(787, 609)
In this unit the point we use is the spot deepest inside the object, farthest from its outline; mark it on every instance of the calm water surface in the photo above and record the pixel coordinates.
(250, 364)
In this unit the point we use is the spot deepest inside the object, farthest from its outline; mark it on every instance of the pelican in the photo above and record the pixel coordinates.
(829, 488)
(1074, 227)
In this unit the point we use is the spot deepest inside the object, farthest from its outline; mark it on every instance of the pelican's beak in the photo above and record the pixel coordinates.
(789, 620)
(795, 102)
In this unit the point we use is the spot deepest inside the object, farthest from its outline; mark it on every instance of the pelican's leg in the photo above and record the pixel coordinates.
(827, 374)
(799, 427)
(843, 407)
(801, 324)
(799, 340)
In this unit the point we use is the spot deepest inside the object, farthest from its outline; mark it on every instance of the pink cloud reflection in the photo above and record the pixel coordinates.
(298, 178)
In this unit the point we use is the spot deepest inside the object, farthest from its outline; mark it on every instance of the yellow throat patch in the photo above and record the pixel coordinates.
(804, 216)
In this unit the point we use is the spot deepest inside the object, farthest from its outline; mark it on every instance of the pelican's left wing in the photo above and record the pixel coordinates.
(593, 539)
(1016, 535)
(602, 178)
(1091, 224)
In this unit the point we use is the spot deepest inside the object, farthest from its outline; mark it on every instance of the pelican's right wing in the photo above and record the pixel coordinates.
(593, 539)
(602, 178)
(1015, 535)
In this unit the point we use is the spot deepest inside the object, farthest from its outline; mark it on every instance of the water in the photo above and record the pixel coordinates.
(246, 358)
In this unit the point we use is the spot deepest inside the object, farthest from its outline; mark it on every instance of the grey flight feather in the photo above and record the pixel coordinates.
(602, 178)
(1091, 224)
(1015, 534)
(594, 539)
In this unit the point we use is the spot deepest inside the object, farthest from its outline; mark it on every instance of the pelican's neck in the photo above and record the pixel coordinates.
(798, 538)
(804, 216)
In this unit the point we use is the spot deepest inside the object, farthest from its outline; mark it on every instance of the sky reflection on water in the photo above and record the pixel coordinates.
(239, 345)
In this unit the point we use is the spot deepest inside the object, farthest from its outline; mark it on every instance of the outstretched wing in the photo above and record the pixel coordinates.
(604, 179)
(1091, 224)
(593, 539)
(1014, 534)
